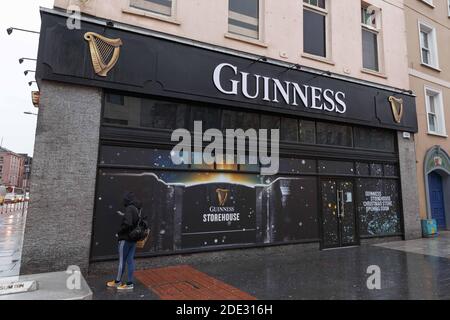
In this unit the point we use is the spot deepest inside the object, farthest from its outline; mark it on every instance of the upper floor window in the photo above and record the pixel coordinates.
(370, 22)
(163, 7)
(315, 27)
(435, 111)
(317, 3)
(428, 46)
(243, 18)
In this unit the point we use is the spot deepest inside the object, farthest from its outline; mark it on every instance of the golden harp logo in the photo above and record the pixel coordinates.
(104, 52)
(222, 196)
(397, 108)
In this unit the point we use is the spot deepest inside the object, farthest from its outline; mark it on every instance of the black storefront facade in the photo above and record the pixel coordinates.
(340, 179)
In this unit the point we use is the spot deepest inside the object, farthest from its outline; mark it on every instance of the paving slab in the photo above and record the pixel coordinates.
(51, 286)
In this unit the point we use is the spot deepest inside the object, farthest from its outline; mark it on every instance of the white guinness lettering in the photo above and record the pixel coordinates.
(291, 93)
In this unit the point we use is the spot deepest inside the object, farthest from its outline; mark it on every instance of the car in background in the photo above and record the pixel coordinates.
(14, 195)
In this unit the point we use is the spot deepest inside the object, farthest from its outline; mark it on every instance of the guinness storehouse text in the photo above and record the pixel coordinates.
(274, 90)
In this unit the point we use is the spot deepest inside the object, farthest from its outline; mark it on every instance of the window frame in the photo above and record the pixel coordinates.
(439, 112)
(243, 37)
(432, 45)
(326, 13)
(428, 2)
(150, 13)
(377, 30)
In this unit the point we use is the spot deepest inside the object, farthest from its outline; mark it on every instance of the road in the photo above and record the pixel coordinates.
(12, 224)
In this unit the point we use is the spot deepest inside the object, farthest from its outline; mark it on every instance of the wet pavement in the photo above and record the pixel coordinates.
(12, 224)
(415, 269)
(332, 274)
(436, 246)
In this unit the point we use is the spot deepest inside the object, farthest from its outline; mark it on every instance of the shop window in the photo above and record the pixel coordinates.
(334, 135)
(115, 111)
(270, 122)
(147, 113)
(336, 167)
(297, 166)
(390, 170)
(362, 169)
(371, 29)
(247, 120)
(243, 18)
(428, 45)
(163, 7)
(289, 129)
(210, 117)
(307, 132)
(378, 207)
(228, 119)
(294, 202)
(314, 27)
(116, 99)
(139, 157)
(435, 111)
(375, 139)
(161, 115)
(376, 169)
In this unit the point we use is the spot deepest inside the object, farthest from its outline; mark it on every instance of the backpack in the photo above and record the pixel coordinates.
(141, 230)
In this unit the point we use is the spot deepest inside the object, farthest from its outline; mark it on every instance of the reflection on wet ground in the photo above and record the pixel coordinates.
(12, 224)
(333, 274)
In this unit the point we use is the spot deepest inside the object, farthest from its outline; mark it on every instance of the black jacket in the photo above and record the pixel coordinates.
(130, 218)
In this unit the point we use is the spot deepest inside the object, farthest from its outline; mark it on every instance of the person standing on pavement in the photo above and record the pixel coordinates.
(127, 247)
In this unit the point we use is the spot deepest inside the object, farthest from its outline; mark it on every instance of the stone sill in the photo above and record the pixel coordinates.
(317, 58)
(431, 67)
(441, 135)
(255, 42)
(374, 73)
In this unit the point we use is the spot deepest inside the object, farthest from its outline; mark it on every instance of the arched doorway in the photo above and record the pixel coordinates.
(437, 185)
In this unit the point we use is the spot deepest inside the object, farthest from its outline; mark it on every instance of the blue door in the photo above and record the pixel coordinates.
(436, 199)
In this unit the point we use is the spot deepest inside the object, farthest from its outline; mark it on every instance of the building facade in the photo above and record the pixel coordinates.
(12, 168)
(114, 90)
(428, 34)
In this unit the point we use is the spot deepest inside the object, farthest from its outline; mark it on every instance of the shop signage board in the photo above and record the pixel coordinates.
(154, 66)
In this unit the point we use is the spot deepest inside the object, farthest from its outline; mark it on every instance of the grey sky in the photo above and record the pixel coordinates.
(16, 128)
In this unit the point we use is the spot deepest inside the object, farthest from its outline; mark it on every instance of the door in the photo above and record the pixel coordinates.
(436, 199)
(338, 214)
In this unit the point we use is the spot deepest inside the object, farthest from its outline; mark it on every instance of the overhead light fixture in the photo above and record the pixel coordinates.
(21, 60)
(26, 72)
(262, 58)
(31, 83)
(11, 29)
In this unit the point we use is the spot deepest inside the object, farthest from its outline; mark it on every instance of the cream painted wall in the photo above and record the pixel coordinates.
(437, 16)
(207, 21)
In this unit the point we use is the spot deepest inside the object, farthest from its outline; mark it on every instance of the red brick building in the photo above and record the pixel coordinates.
(13, 171)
